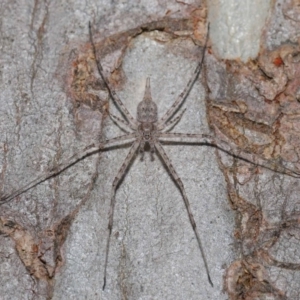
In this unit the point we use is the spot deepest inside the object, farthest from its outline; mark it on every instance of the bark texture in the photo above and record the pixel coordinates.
(53, 104)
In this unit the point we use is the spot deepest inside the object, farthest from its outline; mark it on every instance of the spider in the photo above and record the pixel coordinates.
(145, 130)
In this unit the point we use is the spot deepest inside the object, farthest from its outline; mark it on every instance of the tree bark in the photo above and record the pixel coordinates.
(54, 104)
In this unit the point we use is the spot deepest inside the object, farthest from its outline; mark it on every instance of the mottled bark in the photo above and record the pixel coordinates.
(53, 105)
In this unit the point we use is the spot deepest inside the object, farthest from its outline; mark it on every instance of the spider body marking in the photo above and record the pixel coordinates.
(147, 117)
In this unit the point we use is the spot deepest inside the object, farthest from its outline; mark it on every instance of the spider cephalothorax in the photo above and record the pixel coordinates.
(147, 116)
(147, 109)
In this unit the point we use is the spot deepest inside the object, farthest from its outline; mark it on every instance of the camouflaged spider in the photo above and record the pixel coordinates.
(147, 129)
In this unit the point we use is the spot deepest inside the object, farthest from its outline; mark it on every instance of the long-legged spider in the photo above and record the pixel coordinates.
(145, 130)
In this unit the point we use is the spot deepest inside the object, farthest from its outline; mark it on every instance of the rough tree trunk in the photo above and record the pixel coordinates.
(53, 104)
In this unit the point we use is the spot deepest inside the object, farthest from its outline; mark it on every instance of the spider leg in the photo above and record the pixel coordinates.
(161, 123)
(112, 92)
(177, 179)
(223, 146)
(118, 121)
(186, 137)
(87, 151)
(115, 184)
(170, 124)
(117, 141)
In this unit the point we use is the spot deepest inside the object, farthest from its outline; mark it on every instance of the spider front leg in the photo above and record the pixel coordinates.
(178, 181)
(132, 123)
(115, 184)
(173, 122)
(180, 99)
(122, 124)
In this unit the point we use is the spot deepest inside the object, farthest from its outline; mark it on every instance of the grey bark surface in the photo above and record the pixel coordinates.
(54, 236)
